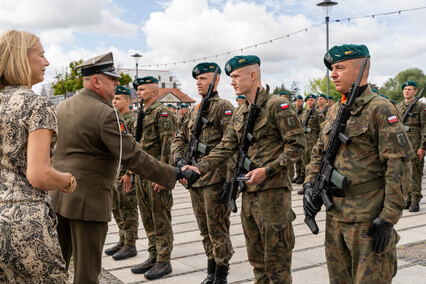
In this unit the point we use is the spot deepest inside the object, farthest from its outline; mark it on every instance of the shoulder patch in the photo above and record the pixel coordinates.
(123, 128)
(228, 112)
(164, 114)
(425, 109)
(392, 119)
(284, 106)
(401, 139)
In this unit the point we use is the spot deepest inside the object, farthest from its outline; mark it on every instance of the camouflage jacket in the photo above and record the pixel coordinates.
(158, 130)
(181, 121)
(313, 125)
(300, 112)
(279, 140)
(219, 114)
(130, 121)
(321, 115)
(380, 150)
(416, 124)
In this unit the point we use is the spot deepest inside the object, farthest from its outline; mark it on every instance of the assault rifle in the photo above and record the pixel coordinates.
(328, 176)
(409, 109)
(306, 129)
(243, 165)
(139, 129)
(195, 147)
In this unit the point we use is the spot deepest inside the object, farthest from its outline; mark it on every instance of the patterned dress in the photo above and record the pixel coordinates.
(29, 247)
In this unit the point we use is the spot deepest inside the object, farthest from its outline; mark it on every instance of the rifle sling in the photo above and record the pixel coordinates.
(362, 187)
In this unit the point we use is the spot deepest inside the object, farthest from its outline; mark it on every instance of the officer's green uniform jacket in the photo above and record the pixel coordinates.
(313, 125)
(279, 140)
(416, 123)
(375, 162)
(219, 115)
(158, 131)
(89, 148)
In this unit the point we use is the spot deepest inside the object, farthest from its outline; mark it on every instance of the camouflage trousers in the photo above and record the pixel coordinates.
(414, 192)
(350, 258)
(155, 208)
(300, 168)
(307, 156)
(290, 171)
(213, 222)
(29, 246)
(266, 218)
(125, 211)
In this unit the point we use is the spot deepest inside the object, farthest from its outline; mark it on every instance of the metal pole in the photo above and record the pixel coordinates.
(137, 98)
(327, 18)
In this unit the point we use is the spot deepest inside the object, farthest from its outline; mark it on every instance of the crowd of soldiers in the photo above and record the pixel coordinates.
(284, 136)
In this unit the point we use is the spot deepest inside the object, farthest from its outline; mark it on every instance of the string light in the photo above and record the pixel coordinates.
(284, 36)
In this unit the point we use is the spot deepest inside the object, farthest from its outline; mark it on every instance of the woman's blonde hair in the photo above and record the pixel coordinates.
(14, 65)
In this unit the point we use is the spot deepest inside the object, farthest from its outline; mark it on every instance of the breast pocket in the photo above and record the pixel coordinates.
(263, 131)
(361, 144)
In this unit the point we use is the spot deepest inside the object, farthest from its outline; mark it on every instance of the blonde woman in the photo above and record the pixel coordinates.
(29, 247)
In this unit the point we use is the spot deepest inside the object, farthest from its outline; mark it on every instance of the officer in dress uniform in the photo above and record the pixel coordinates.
(93, 141)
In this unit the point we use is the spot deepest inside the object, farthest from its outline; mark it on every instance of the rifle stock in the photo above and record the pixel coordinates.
(328, 175)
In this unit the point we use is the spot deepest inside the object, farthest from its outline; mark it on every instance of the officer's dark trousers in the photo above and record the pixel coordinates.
(84, 240)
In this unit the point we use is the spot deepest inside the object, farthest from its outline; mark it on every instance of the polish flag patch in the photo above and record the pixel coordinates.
(425, 109)
(284, 106)
(228, 112)
(392, 119)
(164, 114)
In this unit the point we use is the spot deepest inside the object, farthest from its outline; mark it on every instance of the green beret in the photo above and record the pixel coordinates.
(344, 52)
(100, 64)
(240, 61)
(330, 98)
(241, 97)
(374, 91)
(310, 96)
(145, 80)
(183, 106)
(298, 97)
(205, 67)
(409, 83)
(170, 105)
(283, 93)
(123, 91)
(322, 96)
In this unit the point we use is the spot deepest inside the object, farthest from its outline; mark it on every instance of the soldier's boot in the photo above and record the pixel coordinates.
(144, 266)
(414, 207)
(407, 204)
(112, 250)
(125, 252)
(295, 179)
(158, 270)
(300, 180)
(220, 276)
(211, 268)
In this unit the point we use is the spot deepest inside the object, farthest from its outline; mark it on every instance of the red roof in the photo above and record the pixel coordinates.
(177, 93)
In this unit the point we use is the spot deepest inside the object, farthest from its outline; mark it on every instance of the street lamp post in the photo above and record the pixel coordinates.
(136, 58)
(327, 5)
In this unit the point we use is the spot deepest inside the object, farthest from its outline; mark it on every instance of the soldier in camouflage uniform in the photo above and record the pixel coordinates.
(124, 201)
(416, 131)
(212, 215)
(311, 131)
(182, 118)
(322, 108)
(300, 168)
(360, 242)
(266, 212)
(155, 203)
(240, 99)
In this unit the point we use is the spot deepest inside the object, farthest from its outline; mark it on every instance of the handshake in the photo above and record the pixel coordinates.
(189, 175)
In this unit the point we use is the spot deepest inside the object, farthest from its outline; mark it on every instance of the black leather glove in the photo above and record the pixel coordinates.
(310, 207)
(179, 163)
(225, 192)
(190, 175)
(380, 230)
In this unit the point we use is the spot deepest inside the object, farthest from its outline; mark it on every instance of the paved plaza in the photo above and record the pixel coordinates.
(309, 265)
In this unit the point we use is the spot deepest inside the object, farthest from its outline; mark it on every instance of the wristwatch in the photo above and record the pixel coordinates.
(269, 171)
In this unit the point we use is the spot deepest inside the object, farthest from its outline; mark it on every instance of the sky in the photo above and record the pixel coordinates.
(173, 31)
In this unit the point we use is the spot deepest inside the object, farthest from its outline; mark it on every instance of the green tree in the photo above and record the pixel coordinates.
(392, 87)
(283, 88)
(319, 86)
(125, 79)
(71, 81)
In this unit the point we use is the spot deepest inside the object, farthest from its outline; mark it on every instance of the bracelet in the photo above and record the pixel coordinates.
(71, 182)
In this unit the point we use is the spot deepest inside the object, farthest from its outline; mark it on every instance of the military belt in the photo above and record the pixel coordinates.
(365, 187)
